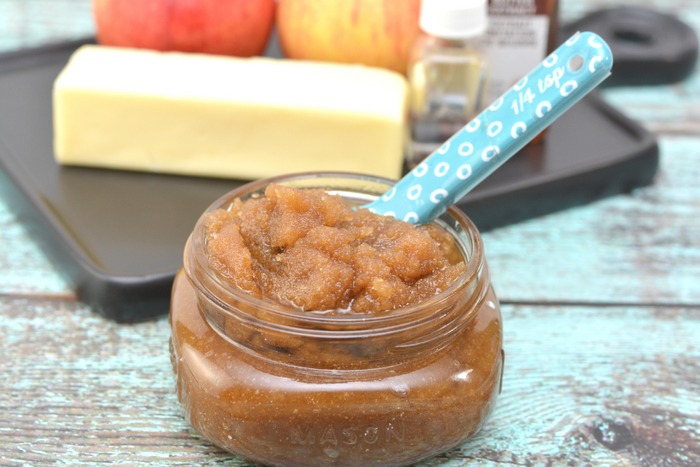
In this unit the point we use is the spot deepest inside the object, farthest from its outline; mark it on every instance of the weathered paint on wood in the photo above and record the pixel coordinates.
(581, 385)
(643, 247)
(30, 23)
(601, 322)
(24, 269)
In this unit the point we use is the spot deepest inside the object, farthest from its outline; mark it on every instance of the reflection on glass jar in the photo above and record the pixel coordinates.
(285, 387)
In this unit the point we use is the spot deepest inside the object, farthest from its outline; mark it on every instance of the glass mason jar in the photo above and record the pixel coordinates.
(285, 387)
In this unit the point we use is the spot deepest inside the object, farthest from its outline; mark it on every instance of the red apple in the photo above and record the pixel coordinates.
(226, 27)
(371, 32)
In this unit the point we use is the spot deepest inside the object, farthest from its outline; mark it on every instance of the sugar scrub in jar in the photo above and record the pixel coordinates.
(308, 332)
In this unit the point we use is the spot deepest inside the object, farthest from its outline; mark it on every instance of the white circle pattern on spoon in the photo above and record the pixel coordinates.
(532, 104)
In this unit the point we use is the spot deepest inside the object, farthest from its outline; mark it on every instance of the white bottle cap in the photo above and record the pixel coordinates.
(453, 19)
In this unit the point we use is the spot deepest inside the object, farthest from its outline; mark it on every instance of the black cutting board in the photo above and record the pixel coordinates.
(118, 236)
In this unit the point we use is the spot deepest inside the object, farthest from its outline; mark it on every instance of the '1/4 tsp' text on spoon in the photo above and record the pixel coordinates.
(574, 69)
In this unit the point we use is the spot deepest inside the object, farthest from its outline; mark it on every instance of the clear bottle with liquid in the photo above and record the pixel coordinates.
(447, 73)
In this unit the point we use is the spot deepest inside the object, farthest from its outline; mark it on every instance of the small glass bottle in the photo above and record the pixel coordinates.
(447, 73)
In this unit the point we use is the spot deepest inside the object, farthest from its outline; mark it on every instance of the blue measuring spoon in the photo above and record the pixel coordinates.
(500, 131)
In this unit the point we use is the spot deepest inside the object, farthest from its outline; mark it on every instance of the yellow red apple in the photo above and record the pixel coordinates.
(226, 27)
(371, 32)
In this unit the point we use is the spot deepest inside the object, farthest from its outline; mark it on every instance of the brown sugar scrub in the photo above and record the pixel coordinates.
(308, 249)
(305, 332)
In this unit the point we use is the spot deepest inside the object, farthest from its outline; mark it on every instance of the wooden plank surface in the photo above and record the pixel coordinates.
(610, 385)
(642, 247)
(31, 23)
(602, 319)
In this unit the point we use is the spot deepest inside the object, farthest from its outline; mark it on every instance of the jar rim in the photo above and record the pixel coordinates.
(410, 314)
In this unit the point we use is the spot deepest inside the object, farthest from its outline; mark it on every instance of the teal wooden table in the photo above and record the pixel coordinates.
(601, 309)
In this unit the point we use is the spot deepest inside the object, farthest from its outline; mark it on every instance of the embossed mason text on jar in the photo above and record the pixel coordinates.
(283, 386)
(388, 432)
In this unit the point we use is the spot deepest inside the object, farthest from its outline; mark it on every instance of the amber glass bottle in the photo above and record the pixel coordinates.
(520, 35)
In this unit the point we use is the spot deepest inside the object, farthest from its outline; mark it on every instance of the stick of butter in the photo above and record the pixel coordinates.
(218, 116)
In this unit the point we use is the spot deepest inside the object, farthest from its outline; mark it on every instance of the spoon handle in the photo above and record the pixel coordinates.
(500, 131)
